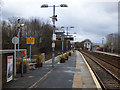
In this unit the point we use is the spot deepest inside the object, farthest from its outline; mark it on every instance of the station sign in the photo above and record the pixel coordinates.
(15, 40)
(30, 40)
(23, 52)
(59, 38)
(68, 38)
(53, 45)
(65, 38)
(54, 37)
(59, 31)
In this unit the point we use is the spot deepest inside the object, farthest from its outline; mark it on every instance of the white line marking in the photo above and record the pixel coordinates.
(35, 84)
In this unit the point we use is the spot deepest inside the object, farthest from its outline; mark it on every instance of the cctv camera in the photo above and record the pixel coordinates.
(21, 25)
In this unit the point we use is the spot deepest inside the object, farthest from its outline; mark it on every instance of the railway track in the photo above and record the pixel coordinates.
(107, 62)
(106, 77)
(112, 60)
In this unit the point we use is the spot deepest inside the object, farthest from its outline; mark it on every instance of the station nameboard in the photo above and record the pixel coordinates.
(65, 38)
(58, 38)
(59, 31)
(68, 38)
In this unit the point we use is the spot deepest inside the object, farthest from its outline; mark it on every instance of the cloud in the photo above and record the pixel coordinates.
(92, 20)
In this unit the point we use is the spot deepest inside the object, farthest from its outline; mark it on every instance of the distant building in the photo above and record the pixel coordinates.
(95, 48)
(98, 47)
(88, 45)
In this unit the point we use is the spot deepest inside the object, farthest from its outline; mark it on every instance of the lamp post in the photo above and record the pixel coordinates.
(67, 35)
(54, 18)
(112, 37)
(18, 32)
(19, 26)
(103, 44)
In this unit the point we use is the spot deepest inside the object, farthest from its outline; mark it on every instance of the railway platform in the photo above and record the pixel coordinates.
(112, 54)
(74, 73)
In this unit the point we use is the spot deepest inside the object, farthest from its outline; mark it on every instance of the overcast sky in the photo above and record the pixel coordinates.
(92, 20)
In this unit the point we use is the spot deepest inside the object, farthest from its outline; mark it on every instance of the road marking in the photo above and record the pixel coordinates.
(91, 72)
(37, 83)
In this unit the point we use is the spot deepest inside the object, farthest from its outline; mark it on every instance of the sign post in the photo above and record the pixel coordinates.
(30, 52)
(22, 65)
(54, 37)
(62, 44)
(15, 41)
(53, 45)
(30, 41)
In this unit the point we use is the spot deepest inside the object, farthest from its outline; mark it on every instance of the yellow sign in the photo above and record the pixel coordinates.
(30, 40)
(68, 39)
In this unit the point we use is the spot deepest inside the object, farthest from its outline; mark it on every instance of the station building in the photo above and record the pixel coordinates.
(88, 45)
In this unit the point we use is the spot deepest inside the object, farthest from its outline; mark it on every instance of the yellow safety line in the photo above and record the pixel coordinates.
(77, 76)
(35, 84)
(58, 63)
(93, 75)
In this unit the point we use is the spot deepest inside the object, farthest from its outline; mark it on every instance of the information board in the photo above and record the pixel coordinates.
(30, 40)
(9, 68)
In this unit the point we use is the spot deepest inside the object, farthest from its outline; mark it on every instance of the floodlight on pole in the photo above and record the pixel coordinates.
(54, 18)
(44, 6)
(67, 35)
(67, 28)
(72, 27)
(19, 26)
(63, 5)
(62, 27)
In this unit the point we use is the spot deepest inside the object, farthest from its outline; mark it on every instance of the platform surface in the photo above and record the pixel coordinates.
(82, 77)
(74, 73)
(108, 53)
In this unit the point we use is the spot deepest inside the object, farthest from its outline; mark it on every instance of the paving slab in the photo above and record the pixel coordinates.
(28, 78)
(62, 76)
(82, 74)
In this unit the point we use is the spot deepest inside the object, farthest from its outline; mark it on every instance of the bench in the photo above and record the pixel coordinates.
(32, 65)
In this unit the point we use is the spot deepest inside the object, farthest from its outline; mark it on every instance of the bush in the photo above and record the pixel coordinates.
(62, 59)
(66, 56)
(19, 66)
(69, 53)
(39, 61)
